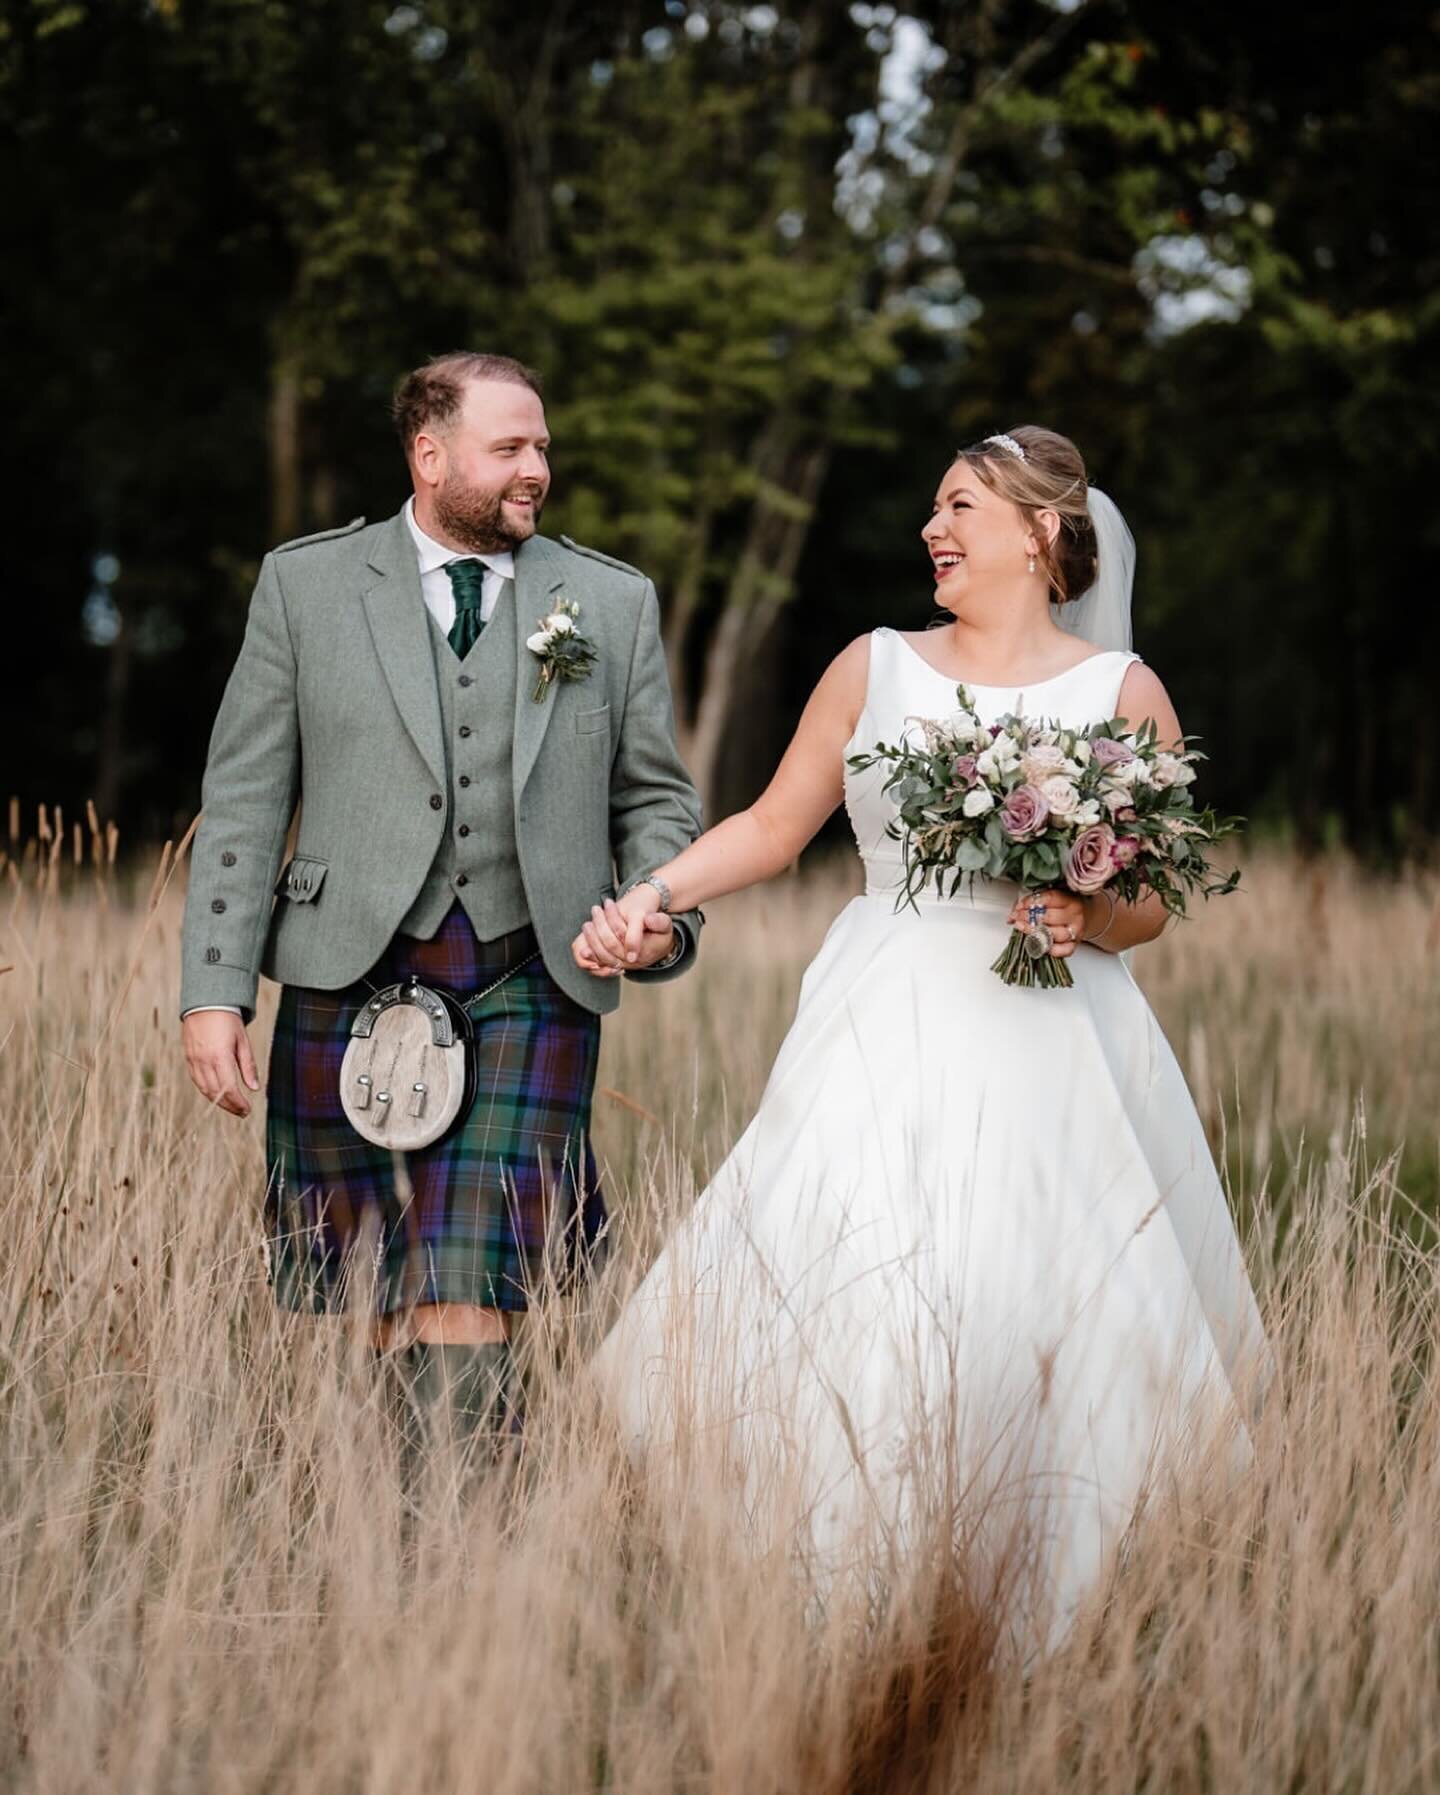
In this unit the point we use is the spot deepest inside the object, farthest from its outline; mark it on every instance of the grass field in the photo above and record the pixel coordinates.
(208, 1583)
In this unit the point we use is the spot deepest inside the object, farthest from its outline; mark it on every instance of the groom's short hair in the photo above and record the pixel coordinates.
(435, 392)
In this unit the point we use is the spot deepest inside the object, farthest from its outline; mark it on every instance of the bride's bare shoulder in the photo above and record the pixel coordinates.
(839, 696)
(848, 672)
(1143, 697)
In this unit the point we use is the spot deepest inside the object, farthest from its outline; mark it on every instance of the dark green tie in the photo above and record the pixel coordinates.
(468, 580)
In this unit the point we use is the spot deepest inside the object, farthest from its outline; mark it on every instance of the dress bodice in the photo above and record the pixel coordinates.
(902, 686)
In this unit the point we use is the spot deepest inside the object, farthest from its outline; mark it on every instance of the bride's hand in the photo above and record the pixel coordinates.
(1064, 916)
(614, 937)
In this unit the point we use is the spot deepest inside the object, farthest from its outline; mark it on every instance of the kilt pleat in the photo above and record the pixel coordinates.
(508, 1200)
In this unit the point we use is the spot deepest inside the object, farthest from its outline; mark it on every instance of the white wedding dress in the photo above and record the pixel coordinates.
(972, 1248)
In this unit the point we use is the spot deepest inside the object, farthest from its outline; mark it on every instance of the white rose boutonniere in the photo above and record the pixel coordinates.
(562, 651)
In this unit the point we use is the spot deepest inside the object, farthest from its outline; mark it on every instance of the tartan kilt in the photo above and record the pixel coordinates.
(507, 1200)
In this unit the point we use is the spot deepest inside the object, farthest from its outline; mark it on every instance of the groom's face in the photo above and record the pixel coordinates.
(488, 469)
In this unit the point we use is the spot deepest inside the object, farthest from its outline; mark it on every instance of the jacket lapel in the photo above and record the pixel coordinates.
(539, 575)
(400, 627)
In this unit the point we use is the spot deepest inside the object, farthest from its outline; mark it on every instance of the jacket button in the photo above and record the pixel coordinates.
(436, 801)
(218, 906)
(464, 729)
(462, 878)
(212, 956)
(464, 829)
(227, 858)
(465, 679)
(464, 779)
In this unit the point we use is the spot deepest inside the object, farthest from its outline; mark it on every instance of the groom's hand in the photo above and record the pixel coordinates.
(217, 1051)
(624, 937)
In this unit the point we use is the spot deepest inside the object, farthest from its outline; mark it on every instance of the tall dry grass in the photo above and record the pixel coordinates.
(211, 1580)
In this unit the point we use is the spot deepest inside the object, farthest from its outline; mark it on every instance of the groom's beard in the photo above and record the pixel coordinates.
(473, 516)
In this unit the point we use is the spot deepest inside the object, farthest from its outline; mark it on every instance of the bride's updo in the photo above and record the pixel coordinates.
(1050, 478)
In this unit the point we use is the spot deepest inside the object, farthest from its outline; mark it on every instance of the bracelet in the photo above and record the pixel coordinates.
(657, 884)
(676, 954)
(1092, 939)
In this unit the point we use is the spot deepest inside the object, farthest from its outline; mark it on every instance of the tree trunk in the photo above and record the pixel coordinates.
(110, 755)
(284, 432)
(678, 622)
(791, 473)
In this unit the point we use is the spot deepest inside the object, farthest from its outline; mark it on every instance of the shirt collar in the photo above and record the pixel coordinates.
(434, 555)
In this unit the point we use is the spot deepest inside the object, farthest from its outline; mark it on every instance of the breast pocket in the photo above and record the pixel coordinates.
(595, 722)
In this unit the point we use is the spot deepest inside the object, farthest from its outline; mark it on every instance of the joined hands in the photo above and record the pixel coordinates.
(624, 936)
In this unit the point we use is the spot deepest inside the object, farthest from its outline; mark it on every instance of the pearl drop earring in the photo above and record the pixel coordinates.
(1032, 563)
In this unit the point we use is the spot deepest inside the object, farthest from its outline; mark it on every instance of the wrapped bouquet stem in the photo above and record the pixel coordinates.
(1047, 805)
(1026, 958)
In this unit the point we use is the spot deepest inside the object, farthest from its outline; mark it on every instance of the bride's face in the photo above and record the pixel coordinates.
(975, 538)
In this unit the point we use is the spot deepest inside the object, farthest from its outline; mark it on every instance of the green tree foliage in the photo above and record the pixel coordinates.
(774, 262)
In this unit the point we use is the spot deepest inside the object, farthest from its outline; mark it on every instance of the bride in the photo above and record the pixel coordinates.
(971, 1257)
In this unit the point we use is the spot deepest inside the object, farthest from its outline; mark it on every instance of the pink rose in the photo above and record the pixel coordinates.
(964, 769)
(1125, 850)
(1090, 860)
(1024, 813)
(1109, 752)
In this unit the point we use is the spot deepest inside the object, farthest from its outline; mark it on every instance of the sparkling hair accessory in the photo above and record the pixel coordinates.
(1008, 444)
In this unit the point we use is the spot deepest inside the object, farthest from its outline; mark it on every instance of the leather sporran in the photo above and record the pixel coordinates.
(404, 1075)
(408, 1073)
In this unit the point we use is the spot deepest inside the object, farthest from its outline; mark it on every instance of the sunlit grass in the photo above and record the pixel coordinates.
(211, 1582)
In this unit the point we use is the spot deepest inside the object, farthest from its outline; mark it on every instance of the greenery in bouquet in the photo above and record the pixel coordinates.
(1033, 801)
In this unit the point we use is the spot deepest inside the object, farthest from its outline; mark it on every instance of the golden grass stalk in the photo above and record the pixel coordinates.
(212, 1579)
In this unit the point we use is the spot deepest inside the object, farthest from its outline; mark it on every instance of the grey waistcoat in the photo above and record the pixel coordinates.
(481, 867)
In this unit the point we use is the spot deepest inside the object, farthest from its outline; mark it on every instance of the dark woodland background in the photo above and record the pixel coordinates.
(774, 263)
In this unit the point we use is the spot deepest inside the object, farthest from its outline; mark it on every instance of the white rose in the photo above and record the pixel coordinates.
(978, 800)
(1128, 773)
(1086, 814)
(1114, 798)
(987, 765)
(1060, 795)
(558, 624)
(1170, 770)
(1042, 763)
(539, 642)
(1082, 751)
(1007, 749)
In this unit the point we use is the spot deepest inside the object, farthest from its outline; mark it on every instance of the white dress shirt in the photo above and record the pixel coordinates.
(435, 587)
(439, 596)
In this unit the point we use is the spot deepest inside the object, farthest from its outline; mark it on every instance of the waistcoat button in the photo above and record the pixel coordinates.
(464, 829)
(465, 679)
(464, 729)
(212, 955)
(462, 878)
(227, 858)
(218, 906)
(436, 801)
(464, 779)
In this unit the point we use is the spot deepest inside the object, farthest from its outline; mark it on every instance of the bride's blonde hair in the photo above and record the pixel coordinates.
(1051, 477)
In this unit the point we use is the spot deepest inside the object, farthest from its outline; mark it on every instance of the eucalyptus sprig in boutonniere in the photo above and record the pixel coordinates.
(562, 651)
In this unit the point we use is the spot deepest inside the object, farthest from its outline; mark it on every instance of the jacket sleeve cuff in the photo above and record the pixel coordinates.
(219, 988)
(687, 932)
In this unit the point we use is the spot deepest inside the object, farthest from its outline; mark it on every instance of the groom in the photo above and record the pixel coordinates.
(454, 826)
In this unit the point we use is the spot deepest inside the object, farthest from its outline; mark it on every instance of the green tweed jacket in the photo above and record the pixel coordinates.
(332, 705)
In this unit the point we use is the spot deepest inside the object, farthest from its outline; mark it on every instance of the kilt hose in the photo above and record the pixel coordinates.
(507, 1199)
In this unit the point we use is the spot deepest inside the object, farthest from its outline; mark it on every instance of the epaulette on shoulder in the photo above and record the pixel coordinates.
(595, 555)
(355, 523)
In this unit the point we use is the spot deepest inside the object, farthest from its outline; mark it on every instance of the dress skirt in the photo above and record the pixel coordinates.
(506, 1201)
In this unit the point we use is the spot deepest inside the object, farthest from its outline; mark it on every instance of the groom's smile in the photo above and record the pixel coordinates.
(482, 476)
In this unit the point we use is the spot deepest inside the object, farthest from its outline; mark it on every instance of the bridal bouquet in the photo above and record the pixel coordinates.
(1091, 810)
